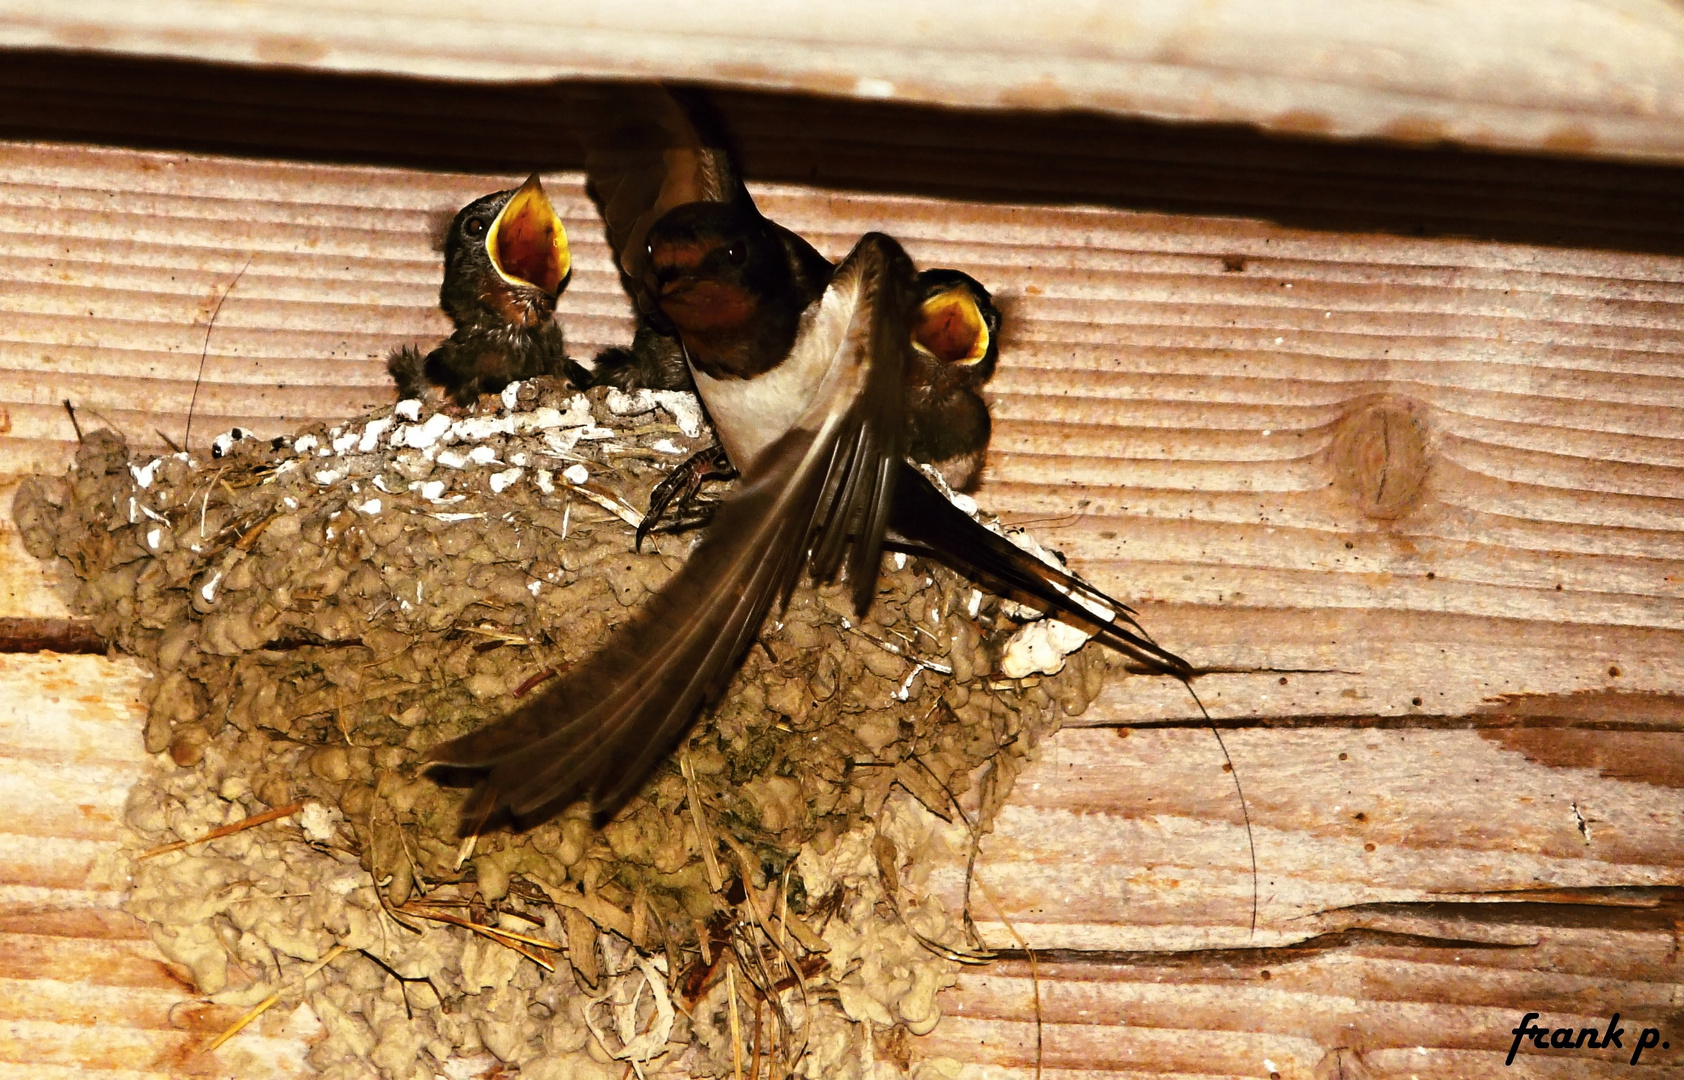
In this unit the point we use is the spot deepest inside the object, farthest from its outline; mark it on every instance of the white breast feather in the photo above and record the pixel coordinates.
(749, 414)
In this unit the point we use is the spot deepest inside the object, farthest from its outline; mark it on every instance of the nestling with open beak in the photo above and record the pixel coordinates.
(505, 262)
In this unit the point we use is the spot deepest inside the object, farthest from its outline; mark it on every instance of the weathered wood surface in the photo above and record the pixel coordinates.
(83, 991)
(1417, 502)
(1566, 75)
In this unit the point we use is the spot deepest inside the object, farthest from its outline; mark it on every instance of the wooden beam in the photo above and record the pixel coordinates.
(1537, 74)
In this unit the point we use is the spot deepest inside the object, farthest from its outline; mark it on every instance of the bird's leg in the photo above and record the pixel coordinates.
(674, 498)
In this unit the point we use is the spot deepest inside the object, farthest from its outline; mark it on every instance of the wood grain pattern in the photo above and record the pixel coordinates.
(1415, 502)
(82, 989)
(1551, 74)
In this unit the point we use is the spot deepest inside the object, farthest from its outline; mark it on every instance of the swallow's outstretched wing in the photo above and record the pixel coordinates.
(819, 495)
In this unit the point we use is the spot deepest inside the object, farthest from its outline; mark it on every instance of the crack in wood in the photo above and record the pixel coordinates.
(1258, 956)
(71, 636)
(1460, 722)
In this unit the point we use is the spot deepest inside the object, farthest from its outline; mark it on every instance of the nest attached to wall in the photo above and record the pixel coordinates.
(320, 609)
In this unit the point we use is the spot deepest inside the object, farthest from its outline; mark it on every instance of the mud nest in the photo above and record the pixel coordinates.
(320, 609)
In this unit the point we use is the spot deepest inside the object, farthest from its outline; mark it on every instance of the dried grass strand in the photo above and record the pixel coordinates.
(1034, 968)
(736, 1023)
(509, 939)
(267, 1003)
(704, 833)
(226, 830)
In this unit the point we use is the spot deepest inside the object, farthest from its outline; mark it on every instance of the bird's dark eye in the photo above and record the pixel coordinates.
(737, 253)
(474, 226)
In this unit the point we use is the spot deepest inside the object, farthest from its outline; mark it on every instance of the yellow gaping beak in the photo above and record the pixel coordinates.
(951, 328)
(526, 241)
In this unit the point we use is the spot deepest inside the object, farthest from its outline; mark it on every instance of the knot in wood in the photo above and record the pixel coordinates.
(1379, 456)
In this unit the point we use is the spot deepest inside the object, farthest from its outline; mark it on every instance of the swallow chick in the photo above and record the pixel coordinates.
(506, 261)
(955, 343)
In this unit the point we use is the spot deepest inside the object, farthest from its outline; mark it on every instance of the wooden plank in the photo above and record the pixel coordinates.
(1543, 74)
(1204, 413)
(82, 989)
(1140, 844)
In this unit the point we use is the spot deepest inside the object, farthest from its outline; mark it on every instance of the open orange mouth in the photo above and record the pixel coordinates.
(950, 327)
(527, 243)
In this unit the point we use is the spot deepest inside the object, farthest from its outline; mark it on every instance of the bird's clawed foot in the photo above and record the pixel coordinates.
(673, 506)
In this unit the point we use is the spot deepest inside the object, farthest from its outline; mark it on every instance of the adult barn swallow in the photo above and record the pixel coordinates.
(955, 341)
(807, 386)
(505, 262)
(626, 130)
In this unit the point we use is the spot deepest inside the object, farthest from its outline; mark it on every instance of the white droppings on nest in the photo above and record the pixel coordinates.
(680, 405)
(364, 452)
(629, 403)
(371, 434)
(319, 821)
(576, 474)
(479, 428)
(144, 475)
(1041, 648)
(421, 436)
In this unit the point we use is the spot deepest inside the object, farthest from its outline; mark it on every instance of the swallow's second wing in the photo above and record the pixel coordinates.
(647, 151)
(817, 494)
(925, 523)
